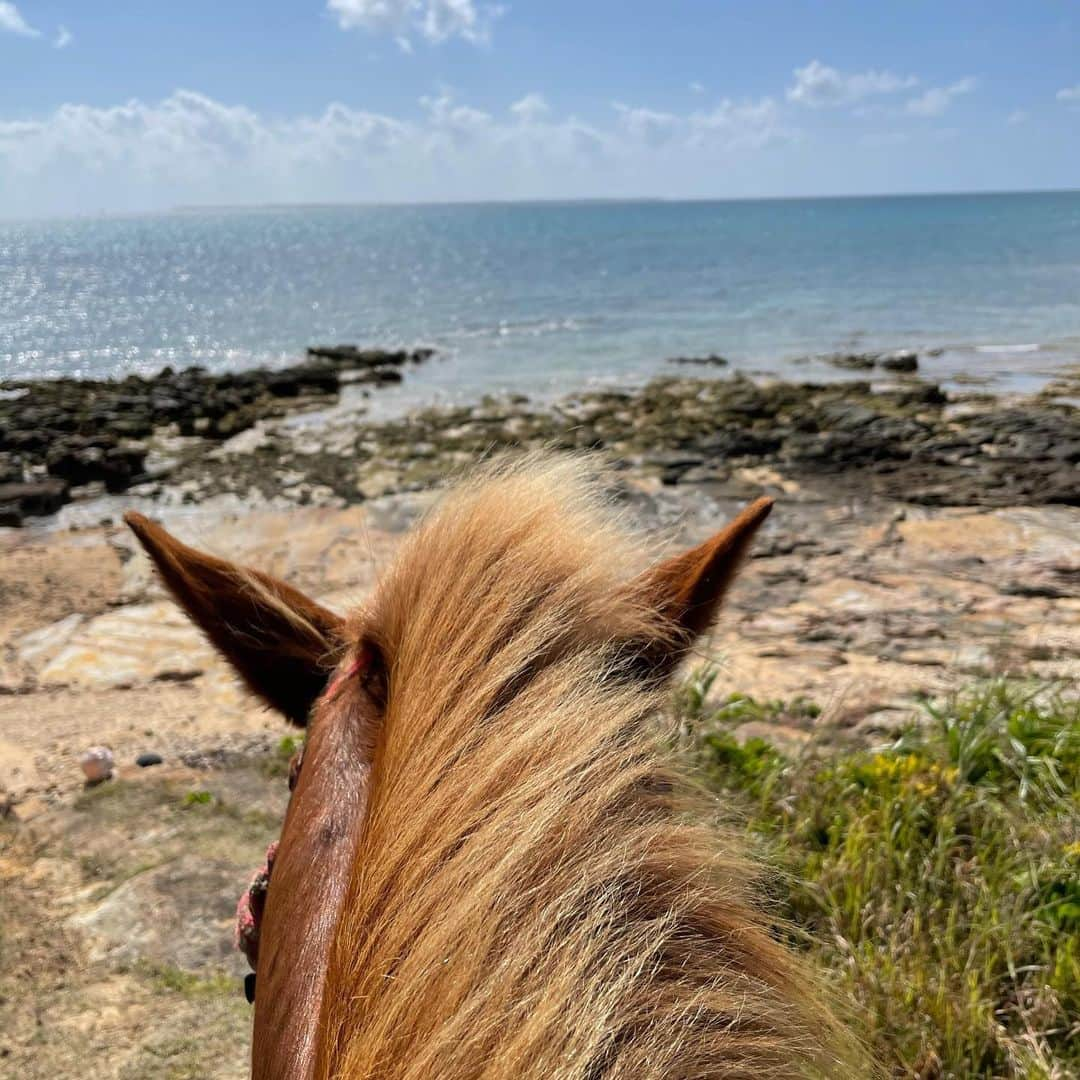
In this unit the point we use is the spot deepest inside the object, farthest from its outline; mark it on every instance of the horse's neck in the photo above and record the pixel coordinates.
(311, 874)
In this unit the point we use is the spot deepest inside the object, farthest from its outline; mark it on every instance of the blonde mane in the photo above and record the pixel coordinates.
(537, 893)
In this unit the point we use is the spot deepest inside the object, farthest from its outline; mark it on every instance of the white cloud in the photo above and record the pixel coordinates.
(531, 109)
(938, 98)
(697, 88)
(434, 20)
(740, 124)
(1017, 116)
(183, 139)
(12, 21)
(64, 37)
(729, 125)
(446, 115)
(817, 85)
(1070, 95)
(190, 148)
(648, 125)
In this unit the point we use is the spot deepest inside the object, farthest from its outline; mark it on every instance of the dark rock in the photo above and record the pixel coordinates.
(11, 469)
(86, 432)
(841, 416)
(380, 376)
(147, 759)
(34, 498)
(712, 360)
(922, 394)
(121, 467)
(26, 441)
(901, 360)
(351, 356)
(853, 361)
(741, 442)
(81, 460)
(232, 423)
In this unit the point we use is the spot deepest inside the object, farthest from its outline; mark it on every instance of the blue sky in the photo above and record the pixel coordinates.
(134, 106)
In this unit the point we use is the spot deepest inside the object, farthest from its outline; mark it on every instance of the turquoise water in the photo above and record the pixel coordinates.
(546, 296)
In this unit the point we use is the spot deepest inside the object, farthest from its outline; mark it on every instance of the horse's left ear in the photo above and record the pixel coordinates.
(687, 590)
(283, 644)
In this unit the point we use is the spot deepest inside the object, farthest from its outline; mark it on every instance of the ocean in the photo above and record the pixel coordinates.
(545, 297)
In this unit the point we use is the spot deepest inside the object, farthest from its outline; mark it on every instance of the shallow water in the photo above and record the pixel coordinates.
(545, 297)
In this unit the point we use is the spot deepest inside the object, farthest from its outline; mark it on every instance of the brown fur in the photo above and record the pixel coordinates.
(282, 644)
(490, 866)
(532, 896)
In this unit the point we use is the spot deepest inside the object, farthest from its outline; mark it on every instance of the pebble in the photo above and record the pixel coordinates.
(97, 764)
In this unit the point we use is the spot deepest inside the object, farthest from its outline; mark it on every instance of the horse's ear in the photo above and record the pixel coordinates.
(686, 590)
(282, 644)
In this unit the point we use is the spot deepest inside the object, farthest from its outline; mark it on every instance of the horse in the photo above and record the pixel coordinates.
(492, 863)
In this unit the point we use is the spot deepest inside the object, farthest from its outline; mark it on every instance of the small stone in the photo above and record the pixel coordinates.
(144, 761)
(97, 764)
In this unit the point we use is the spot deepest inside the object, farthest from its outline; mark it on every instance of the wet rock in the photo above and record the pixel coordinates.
(853, 361)
(11, 469)
(923, 394)
(352, 356)
(901, 360)
(89, 432)
(81, 460)
(30, 499)
(712, 360)
(381, 376)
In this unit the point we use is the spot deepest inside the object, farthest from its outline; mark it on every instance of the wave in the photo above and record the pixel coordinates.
(524, 328)
(1008, 348)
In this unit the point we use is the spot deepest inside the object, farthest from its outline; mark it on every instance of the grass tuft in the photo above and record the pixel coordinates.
(936, 880)
(166, 976)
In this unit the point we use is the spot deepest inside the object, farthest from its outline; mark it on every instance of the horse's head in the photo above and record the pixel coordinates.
(339, 678)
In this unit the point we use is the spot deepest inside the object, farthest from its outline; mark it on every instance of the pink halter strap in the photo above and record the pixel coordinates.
(343, 676)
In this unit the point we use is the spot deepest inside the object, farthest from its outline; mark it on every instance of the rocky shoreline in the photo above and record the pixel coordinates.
(899, 441)
(921, 538)
(59, 436)
(189, 436)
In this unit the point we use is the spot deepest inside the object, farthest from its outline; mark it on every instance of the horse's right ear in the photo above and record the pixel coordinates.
(686, 591)
(283, 644)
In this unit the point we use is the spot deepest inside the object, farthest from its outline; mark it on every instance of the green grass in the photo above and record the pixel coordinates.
(277, 763)
(937, 880)
(190, 984)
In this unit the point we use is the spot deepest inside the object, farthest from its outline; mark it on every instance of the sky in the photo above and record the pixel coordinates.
(126, 106)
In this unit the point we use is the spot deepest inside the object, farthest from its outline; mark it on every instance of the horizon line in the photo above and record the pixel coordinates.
(600, 200)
